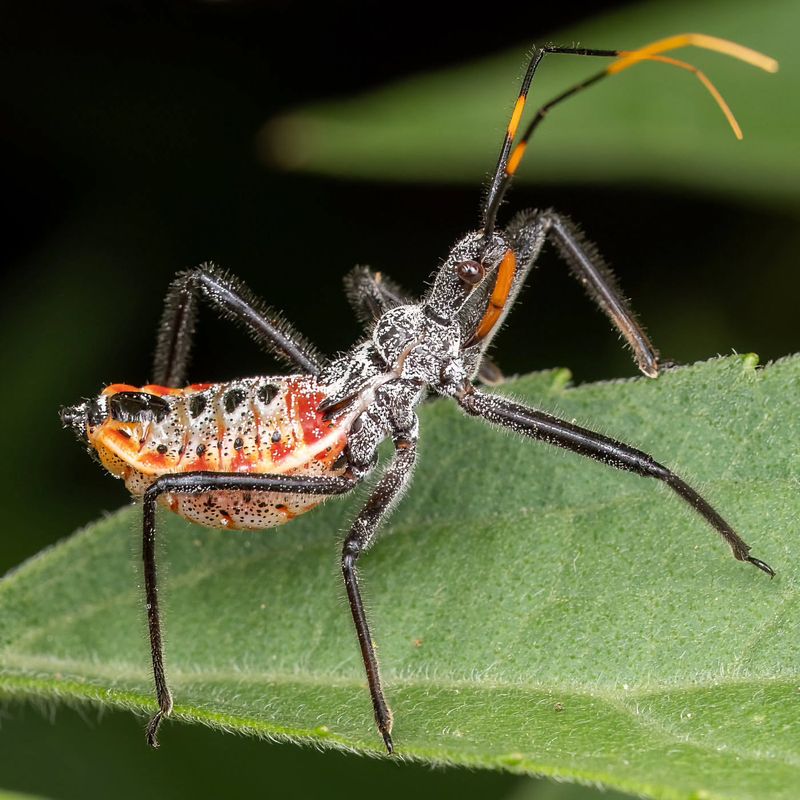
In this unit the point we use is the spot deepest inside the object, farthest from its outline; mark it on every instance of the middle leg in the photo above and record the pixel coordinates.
(362, 534)
(372, 294)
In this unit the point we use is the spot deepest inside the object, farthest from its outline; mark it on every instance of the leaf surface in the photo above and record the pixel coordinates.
(534, 611)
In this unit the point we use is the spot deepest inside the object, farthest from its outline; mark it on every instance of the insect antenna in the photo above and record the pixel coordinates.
(509, 160)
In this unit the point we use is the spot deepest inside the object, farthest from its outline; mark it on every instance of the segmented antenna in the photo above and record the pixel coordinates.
(509, 160)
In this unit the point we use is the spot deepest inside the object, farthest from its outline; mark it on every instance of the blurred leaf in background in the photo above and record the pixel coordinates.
(651, 123)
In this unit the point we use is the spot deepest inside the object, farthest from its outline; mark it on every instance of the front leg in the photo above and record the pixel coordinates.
(362, 534)
(234, 301)
(594, 275)
(199, 483)
(550, 429)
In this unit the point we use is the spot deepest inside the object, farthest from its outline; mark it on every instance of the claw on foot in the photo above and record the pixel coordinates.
(762, 565)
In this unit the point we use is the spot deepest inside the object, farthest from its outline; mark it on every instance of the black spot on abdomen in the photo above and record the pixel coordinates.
(138, 407)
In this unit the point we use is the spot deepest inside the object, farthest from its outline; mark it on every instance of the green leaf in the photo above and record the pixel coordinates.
(650, 123)
(535, 611)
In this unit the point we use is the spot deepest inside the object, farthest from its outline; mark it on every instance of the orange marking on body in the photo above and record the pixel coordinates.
(324, 454)
(516, 157)
(241, 462)
(116, 388)
(198, 387)
(150, 388)
(314, 425)
(516, 116)
(161, 391)
(121, 438)
(279, 450)
(156, 461)
(282, 509)
(198, 465)
(225, 519)
(502, 288)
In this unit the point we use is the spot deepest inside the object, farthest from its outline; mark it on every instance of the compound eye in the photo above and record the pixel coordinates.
(470, 272)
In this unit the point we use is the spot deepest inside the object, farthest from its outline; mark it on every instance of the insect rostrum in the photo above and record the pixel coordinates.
(256, 452)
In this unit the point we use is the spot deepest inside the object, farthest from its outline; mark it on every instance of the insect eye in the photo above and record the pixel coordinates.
(470, 272)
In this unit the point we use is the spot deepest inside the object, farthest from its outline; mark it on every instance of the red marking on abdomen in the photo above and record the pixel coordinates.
(304, 407)
(155, 461)
(241, 462)
(280, 449)
(301, 450)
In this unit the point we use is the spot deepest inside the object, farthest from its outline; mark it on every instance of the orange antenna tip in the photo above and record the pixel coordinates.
(712, 90)
(728, 48)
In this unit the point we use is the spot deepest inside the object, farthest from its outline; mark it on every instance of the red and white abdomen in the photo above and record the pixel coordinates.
(256, 425)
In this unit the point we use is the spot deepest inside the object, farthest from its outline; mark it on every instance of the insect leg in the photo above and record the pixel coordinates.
(550, 429)
(361, 535)
(371, 294)
(591, 271)
(198, 483)
(234, 301)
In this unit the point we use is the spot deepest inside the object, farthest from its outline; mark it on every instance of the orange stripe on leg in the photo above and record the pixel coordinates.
(516, 116)
(497, 302)
(516, 157)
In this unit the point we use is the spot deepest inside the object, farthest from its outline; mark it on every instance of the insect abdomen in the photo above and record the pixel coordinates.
(256, 425)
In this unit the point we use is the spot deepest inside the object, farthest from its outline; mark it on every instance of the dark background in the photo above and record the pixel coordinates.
(127, 152)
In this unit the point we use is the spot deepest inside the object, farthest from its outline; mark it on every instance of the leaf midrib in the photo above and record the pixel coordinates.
(618, 703)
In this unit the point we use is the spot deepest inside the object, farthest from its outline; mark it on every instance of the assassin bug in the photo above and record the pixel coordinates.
(256, 452)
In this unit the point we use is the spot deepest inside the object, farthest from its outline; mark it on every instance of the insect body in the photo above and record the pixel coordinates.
(254, 453)
(258, 425)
